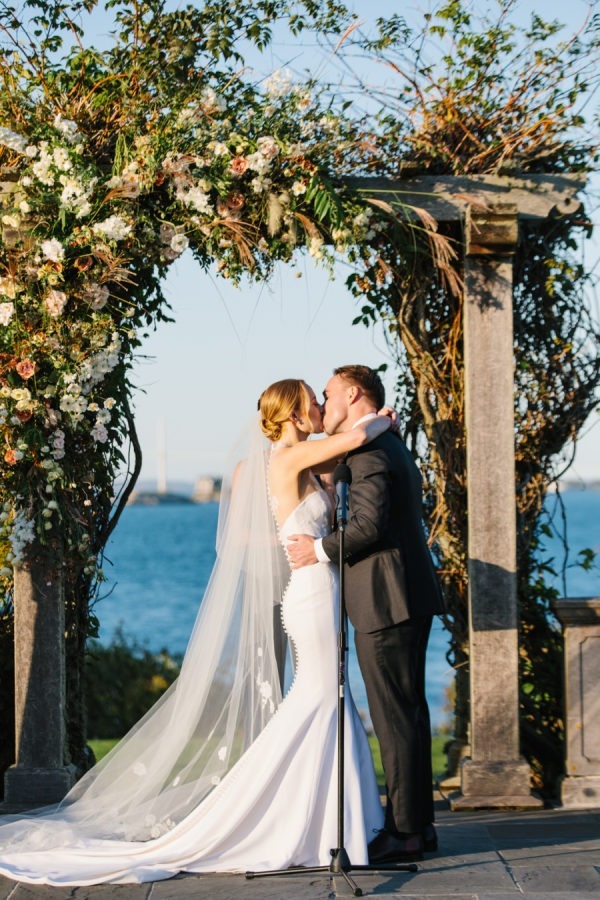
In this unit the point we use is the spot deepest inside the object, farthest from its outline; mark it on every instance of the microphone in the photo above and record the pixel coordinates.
(342, 478)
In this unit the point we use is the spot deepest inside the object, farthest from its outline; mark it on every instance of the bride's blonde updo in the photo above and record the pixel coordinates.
(277, 403)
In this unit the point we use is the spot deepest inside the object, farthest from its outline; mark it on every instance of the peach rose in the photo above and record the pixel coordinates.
(11, 457)
(25, 368)
(238, 165)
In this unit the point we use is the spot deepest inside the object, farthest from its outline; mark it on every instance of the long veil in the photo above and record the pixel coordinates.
(226, 693)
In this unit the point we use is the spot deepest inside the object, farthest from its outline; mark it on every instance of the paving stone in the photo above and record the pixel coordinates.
(530, 835)
(464, 839)
(113, 892)
(534, 895)
(41, 892)
(459, 875)
(582, 854)
(552, 879)
(236, 887)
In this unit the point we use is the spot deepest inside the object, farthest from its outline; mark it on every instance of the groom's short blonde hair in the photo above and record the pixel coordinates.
(367, 380)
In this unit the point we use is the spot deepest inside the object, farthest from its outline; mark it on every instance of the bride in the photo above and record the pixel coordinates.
(221, 775)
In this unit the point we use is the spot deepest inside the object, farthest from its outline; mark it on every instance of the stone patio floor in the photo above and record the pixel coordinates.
(552, 854)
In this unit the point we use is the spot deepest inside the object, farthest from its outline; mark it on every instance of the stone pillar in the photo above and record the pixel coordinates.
(39, 775)
(495, 776)
(580, 617)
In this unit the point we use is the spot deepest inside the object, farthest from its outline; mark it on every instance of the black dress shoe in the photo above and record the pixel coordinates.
(391, 848)
(430, 841)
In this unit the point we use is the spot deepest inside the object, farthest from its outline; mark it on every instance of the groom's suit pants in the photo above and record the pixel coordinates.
(392, 662)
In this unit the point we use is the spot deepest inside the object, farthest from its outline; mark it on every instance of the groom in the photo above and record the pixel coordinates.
(392, 593)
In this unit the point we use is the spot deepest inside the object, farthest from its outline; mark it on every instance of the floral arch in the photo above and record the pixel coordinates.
(111, 166)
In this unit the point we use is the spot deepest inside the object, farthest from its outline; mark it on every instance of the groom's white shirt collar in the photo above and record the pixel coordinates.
(364, 419)
(320, 553)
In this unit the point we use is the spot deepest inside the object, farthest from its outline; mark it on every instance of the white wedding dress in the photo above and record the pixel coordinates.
(277, 806)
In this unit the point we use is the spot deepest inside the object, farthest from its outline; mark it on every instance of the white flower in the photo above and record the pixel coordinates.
(66, 127)
(315, 247)
(197, 198)
(97, 295)
(298, 188)
(41, 168)
(75, 195)
(278, 84)
(99, 433)
(11, 221)
(219, 148)
(103, 416)
(53, 250)
(115, 228)
(109, 403)
(61, 159)
(24, 207)
(58, 439)
(20, 394)
(179, 243)
(260, 184)
(7, 311)
(12, 140)
(31, 151)
(55, 303)
(259, 163)
(23, 534)
(222, 753)
(211, 102)
(268, 147)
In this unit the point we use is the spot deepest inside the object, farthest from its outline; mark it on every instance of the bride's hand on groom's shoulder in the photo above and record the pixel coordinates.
(393, 416)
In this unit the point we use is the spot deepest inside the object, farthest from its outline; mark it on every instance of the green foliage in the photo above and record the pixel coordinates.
(122, 681)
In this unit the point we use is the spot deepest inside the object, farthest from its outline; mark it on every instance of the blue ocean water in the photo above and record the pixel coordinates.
(160, 557)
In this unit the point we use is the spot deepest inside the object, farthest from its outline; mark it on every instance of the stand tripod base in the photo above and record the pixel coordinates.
(340, 865)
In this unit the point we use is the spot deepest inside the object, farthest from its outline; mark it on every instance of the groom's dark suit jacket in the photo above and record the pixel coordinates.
(390, 575)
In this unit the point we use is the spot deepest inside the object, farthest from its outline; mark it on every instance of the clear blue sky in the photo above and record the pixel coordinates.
(203, 374)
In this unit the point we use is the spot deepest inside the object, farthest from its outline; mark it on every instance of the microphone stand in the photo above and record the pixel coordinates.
(340, 862)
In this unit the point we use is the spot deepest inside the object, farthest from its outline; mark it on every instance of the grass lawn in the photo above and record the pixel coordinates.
(438, 759)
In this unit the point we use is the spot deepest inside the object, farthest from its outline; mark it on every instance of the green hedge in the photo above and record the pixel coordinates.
(122, 681)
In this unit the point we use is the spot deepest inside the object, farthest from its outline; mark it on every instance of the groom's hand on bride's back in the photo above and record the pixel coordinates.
(301, 550)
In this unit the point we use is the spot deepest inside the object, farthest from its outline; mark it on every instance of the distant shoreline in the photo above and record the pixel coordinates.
(207, 489)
